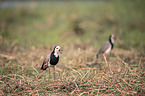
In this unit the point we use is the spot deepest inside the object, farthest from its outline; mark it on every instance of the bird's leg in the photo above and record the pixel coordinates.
(103, 84)
(54, 72)
(110, 56)
(107, 63)
(49, 71)
(105, 58)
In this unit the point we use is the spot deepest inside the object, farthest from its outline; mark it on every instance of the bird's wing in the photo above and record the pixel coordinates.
(45, 63)
(104, 47)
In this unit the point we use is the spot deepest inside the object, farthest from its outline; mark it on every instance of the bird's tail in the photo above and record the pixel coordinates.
(44, 66)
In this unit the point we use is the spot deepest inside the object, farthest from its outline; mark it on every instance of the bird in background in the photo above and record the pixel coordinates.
(107, 47)
(51, 59)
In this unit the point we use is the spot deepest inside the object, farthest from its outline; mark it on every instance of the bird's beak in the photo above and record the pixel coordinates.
(60, 50)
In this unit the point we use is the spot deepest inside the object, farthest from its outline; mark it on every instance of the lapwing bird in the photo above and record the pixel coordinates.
(51, 59)
(107, 47)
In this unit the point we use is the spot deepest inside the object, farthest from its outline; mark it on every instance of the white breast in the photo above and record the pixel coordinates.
(56, 55)
(108, 50)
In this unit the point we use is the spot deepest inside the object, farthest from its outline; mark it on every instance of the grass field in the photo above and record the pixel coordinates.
(28, 33)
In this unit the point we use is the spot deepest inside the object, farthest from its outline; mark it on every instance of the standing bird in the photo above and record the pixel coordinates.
(51, 59)
(107, 47)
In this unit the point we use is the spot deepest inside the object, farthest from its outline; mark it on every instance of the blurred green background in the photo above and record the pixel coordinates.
(30, 29)
(37, 23)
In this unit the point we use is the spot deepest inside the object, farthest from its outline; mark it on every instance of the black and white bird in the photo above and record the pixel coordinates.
(51, 59)
(107, 47)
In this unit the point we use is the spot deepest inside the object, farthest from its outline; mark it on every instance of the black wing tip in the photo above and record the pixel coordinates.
(43, 67)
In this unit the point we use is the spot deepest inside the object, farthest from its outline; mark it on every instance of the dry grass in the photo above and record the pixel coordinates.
(122, 75)
(80, 29)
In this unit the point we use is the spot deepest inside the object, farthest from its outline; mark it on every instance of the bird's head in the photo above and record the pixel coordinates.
(111, 38)
(57, 49)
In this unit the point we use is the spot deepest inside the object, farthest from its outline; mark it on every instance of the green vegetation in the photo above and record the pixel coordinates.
(27, 34)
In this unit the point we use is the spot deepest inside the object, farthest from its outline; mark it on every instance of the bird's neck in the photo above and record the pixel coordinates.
(111, 42)
(55, 53)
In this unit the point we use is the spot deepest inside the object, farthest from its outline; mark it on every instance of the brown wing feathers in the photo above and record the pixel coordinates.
(46, 62)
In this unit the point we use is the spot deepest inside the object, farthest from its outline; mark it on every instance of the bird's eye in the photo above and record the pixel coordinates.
(56, 48)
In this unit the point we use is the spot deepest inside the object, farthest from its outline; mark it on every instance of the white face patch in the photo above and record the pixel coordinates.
(56, 51)
(112, 38)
